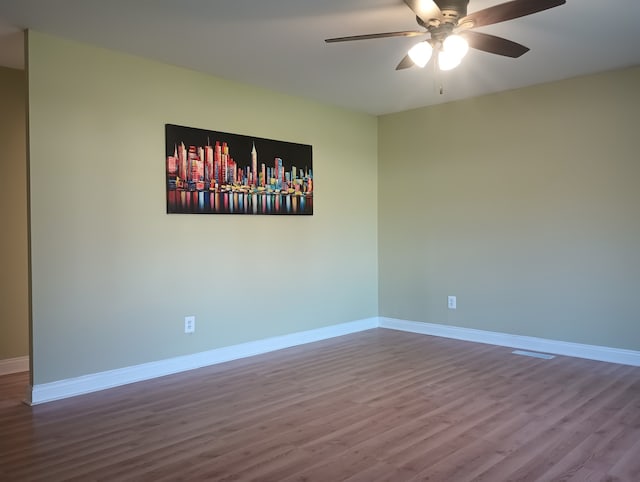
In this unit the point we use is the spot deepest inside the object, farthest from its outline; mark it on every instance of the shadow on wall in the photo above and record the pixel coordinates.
(14, 308)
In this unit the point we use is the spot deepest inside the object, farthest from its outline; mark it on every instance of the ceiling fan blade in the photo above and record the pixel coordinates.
(425, 10)
(406, 33)
(405, 63)
(494, 45)
(508, 11)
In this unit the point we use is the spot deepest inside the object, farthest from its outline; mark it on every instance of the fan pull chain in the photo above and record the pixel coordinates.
(438, 84)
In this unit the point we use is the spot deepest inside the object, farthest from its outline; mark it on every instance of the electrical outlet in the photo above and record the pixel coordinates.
(189, 324)
(451, 302)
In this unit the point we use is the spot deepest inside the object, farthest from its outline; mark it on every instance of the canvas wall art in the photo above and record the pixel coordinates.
(211, 172)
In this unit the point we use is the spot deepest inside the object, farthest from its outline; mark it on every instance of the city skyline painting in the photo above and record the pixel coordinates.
(212, 172)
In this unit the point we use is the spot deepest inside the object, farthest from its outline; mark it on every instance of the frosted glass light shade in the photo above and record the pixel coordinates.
(455, 46)
(420, 53)
(446, 61)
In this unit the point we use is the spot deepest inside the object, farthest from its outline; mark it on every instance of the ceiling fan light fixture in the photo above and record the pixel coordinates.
(440, 18)
(456, 46)
(446, 61)
(420, 53)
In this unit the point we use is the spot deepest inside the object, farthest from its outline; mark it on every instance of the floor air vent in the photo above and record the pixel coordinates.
(533, 354)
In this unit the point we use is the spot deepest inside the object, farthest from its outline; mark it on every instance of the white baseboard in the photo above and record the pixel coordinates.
(591, 352)
(14, 365)
(47, 392)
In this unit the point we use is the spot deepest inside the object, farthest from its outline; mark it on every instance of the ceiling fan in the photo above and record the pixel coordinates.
(450, 30)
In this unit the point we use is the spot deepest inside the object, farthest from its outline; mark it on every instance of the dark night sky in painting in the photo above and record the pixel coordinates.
(292, 154)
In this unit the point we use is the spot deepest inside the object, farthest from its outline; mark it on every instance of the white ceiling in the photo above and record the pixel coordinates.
(278, 44)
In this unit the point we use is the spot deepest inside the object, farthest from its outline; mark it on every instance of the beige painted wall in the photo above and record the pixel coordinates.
(14, 311)
(525, 205)
(114, 275)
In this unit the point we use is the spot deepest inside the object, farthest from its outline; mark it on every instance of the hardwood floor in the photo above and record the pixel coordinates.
(373, 406)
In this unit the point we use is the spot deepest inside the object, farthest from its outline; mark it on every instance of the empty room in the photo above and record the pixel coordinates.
(321, 241)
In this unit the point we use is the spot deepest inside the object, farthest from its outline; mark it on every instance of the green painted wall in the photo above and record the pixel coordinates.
(114, 275)
(525, 205)
(14, 301)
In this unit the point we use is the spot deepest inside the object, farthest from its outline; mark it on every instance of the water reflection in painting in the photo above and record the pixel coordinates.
(202, 202)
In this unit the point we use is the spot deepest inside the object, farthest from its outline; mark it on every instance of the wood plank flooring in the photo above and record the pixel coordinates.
(379, 405)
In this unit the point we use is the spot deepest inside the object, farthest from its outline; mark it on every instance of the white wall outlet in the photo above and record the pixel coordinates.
(451, 302)
(189, 324)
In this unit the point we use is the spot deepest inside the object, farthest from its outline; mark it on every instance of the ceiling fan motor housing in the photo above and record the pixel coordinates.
(452, 10)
